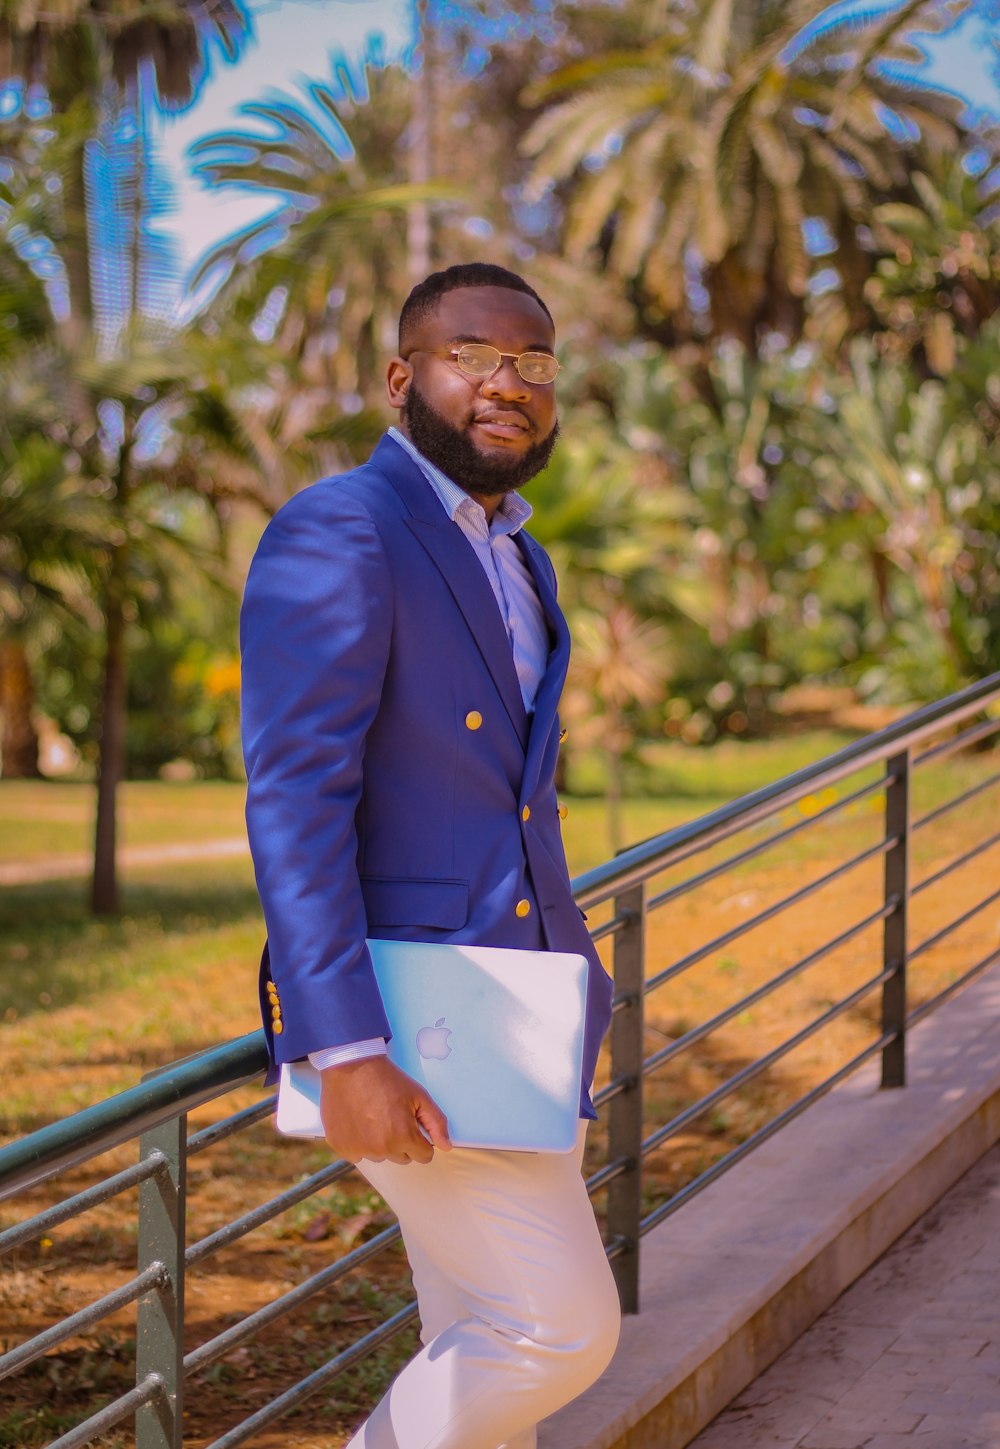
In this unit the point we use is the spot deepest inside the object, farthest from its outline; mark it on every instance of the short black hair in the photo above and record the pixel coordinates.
(426, 294)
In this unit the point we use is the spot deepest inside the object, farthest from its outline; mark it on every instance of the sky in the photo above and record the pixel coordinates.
(293, 43)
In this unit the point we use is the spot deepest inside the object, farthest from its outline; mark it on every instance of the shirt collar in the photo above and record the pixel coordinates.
(512, 512)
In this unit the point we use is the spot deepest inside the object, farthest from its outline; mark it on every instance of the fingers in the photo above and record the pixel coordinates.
(374, 1111)
(433, 1123)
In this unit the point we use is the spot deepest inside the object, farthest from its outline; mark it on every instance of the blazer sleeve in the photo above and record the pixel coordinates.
(314, 633)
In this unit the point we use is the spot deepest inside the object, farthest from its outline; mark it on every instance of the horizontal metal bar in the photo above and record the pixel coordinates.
(111, 1414)
(704, 1179)
(962, 740)
(926, 1007)
(950, 805)
(742, 928)
(955, 864)
(742, 856)
(754, 1069)
(607, 928)
(317, 1380)
(642, 861)
(26, 1353)
(219, 1346)
(615, 1246)
(945, 931)
(613, 1089)
(273, 1208)
(118, 1119)
(697, 1033)
(219, 1131)
(43, 1222)
(608, 1173)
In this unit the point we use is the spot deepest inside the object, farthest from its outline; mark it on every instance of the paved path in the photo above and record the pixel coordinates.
(908, 1358)
(64, 867)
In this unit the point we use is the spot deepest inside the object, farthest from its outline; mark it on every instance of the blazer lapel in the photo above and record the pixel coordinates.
(454, 556)
(554, 678)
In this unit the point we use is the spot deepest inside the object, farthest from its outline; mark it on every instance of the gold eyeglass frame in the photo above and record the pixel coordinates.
(455, 352)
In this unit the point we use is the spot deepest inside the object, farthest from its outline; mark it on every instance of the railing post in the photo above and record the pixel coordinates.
(625, 1124)
(894, 927)
(160, 1314)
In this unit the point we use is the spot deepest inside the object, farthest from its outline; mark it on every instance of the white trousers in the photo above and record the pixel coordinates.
(518, 1306)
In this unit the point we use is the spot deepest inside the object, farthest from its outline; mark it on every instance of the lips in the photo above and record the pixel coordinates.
(503, 424)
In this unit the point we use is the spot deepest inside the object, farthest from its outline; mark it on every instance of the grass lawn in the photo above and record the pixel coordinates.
(53, 817)
(40, 818)
(90, 1005)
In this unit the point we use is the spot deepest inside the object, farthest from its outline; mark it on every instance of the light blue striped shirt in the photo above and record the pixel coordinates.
(520, 608)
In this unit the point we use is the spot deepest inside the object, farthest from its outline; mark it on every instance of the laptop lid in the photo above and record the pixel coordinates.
(496, 1036)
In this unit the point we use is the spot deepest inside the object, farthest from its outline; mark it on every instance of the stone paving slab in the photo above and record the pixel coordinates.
(908, 1358)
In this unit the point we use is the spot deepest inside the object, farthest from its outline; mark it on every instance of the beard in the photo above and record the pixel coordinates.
(458, 458)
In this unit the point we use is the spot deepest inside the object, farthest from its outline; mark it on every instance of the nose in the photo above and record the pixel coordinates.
(507, 383)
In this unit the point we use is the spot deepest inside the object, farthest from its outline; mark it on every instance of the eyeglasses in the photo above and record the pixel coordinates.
(480, 359)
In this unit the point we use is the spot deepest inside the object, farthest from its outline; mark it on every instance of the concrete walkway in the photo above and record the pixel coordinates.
(66, 867)
(908, 1358)
(742, 1273)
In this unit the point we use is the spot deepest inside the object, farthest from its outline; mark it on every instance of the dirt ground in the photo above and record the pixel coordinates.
(87, 1256)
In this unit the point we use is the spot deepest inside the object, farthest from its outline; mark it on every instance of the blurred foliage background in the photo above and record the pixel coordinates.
(773, 253)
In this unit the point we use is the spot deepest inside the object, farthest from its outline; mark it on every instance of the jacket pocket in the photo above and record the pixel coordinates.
(410, 901)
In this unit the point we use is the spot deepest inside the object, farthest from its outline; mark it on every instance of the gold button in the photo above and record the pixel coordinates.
(526, 813)
(523, 908)
(563, 811)
(473, 719)
(271, 986)
(275, 1009)
(562, 735)
(272, 995)
(277, 1027)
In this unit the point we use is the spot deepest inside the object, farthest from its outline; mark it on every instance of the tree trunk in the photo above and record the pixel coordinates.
(880, 577)
(615, 785)
(19, 747)
(419, 226)
(105, 896)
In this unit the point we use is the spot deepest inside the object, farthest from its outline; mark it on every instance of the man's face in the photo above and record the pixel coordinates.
(490, 435)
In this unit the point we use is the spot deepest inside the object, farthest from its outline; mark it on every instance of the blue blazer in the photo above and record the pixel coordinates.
(396, 787)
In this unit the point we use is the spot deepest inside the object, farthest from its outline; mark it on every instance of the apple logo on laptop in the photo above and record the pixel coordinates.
(432, 1041)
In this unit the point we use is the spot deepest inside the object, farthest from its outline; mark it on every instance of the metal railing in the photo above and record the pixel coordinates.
(879, 768)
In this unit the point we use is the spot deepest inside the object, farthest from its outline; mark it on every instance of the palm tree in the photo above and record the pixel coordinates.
(116, 380)
(326, 272)
(938, 283)
(911, 463)
(89, 57)
(53, 45)
(51, 531)
(621, 664)
(690, 165)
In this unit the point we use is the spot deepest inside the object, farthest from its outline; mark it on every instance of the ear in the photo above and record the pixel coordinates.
(397, 381)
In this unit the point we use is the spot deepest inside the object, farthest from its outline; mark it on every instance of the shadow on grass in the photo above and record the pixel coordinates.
(53, 952)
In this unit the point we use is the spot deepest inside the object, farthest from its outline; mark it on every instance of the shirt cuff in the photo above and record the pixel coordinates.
(352, 1051)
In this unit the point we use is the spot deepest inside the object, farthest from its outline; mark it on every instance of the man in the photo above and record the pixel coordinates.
(403, 657)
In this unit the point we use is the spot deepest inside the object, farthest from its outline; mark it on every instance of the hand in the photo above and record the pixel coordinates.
(372, 1109)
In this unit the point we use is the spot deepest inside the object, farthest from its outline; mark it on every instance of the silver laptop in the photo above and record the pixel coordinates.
(495, 1035)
